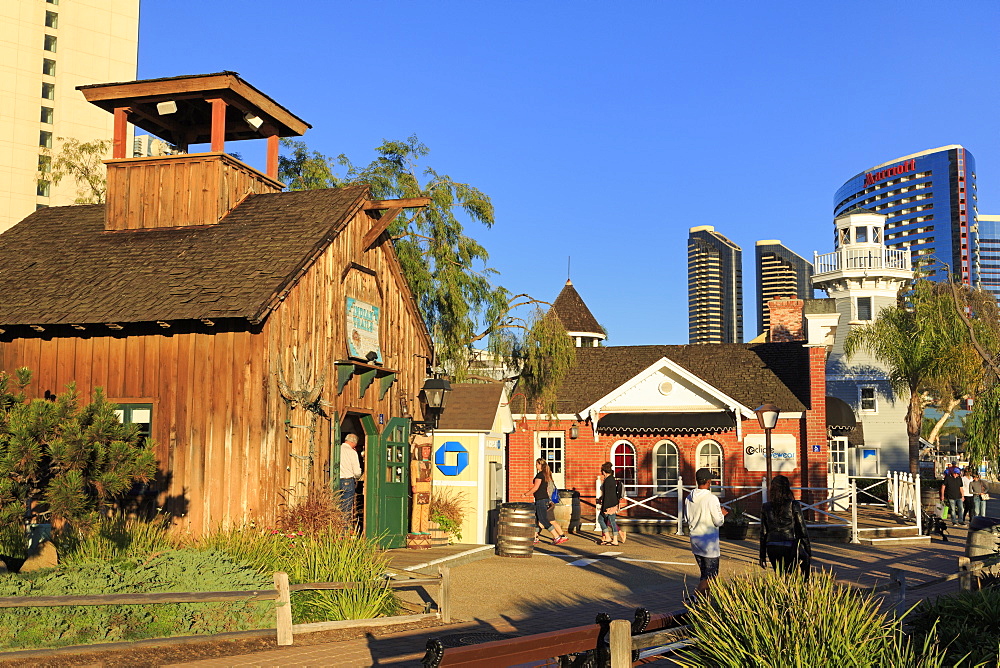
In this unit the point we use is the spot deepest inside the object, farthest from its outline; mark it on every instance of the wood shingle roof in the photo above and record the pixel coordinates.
(59, 265)
(573, 313)
(471, 406)
(752, 374)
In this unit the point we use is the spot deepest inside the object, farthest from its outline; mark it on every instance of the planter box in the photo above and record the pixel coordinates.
(439, 537)
(732, 531)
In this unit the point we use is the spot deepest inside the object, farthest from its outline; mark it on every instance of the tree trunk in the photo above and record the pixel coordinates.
(949, 411)
(914, 417)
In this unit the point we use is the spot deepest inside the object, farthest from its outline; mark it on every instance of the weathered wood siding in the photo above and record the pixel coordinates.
(225, 434)
(178, 190)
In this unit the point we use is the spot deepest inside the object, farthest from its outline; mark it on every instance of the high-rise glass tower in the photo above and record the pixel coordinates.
(986, 254)
(47, 49)
(781, 273)
(715, 287)
(930, 201)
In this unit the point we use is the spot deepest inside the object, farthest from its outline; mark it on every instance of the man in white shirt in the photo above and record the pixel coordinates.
(350, 473)
(704, 515)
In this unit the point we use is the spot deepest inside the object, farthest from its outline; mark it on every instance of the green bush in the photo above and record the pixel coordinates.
(171, 571)
(772, 620)
(322, 556)
(964, 624)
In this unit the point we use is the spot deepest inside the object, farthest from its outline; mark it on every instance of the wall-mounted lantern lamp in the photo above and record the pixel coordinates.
(574, 431)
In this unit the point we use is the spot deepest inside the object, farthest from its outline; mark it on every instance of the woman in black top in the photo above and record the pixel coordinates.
(607, 516)
(783, 536)
(541, 490)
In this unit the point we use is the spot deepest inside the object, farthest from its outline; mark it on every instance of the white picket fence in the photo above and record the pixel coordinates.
(903, 497)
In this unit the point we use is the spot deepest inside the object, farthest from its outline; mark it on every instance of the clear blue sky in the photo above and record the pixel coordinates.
(603, 131)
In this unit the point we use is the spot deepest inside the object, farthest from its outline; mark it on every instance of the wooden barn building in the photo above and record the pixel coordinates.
(660, 412)
(245, 328)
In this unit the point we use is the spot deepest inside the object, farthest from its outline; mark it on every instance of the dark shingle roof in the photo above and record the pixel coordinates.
(752, 374)
(471, 406)
(573, 313)
(59, 265)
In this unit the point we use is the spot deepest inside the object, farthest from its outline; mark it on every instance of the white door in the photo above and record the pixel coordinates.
(551, 446)
(837, 478)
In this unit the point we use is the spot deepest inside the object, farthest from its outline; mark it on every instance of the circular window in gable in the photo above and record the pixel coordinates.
(666, 387)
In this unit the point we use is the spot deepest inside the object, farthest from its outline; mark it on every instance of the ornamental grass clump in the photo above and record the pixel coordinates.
(113, 539)
(767, 620)
(328, 555)
(448, 510)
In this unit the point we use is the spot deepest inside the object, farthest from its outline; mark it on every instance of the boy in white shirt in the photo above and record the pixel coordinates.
(704, 515)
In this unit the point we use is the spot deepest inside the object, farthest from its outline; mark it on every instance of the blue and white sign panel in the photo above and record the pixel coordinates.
(783, 453)
(362, 330)
(451, 458)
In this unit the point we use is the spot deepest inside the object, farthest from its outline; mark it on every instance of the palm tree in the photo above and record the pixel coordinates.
(907, 340)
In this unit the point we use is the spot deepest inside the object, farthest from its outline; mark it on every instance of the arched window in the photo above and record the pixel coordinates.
(665, 466)
(623, 460)
(709, 456)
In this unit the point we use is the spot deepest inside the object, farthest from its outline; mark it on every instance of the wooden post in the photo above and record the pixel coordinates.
(854, 512)
(272, 155)
(964, 574)
(444, 594)
(120, 133)
(898, 578)
(680, 506)
(218, 124)
(283, 608)
(621, 643)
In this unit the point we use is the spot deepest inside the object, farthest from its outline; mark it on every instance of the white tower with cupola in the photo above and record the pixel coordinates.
(862, 276)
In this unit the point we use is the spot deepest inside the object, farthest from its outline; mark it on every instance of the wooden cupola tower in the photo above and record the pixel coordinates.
(188, 189)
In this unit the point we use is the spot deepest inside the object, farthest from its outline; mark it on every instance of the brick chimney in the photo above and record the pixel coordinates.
(786, 320)
(188, 189)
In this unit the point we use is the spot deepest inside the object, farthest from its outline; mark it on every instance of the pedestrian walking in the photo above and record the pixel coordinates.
(541, 489)
(951, 494)
(968, 507)
(704, 515)
(784, 540)
(980, 494)
(607, 507)
(350, 473)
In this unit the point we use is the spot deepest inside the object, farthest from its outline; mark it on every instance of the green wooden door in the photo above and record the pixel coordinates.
(387, 494)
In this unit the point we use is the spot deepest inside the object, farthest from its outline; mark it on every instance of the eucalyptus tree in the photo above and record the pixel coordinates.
(446, 269)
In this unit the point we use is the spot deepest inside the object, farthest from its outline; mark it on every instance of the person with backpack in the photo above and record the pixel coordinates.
(542, 489)
(608, 502)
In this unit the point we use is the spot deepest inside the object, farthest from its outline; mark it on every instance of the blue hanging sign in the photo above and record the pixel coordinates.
(461, 458)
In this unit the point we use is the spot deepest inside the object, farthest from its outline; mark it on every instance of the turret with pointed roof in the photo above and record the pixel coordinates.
(574, 315)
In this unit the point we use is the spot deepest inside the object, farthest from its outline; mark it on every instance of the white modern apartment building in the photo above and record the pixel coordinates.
(47, 49)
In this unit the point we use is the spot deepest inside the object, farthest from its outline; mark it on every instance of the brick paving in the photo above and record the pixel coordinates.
(564, 586)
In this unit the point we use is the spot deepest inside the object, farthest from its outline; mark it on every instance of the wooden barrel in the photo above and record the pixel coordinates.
(516, 530)
(930, 497)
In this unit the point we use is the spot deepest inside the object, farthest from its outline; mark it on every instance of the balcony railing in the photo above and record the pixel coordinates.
(861, 259)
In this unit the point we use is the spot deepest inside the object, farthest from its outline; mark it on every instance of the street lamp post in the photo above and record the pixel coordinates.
(767, 417)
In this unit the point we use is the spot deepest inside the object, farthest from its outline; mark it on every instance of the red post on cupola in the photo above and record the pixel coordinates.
(120, 132)
(218, 124)
(272, 156)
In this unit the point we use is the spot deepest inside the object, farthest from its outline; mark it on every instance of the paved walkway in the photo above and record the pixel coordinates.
(567, 585)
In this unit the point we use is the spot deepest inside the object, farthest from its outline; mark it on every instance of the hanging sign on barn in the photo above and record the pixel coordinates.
(362, 331)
